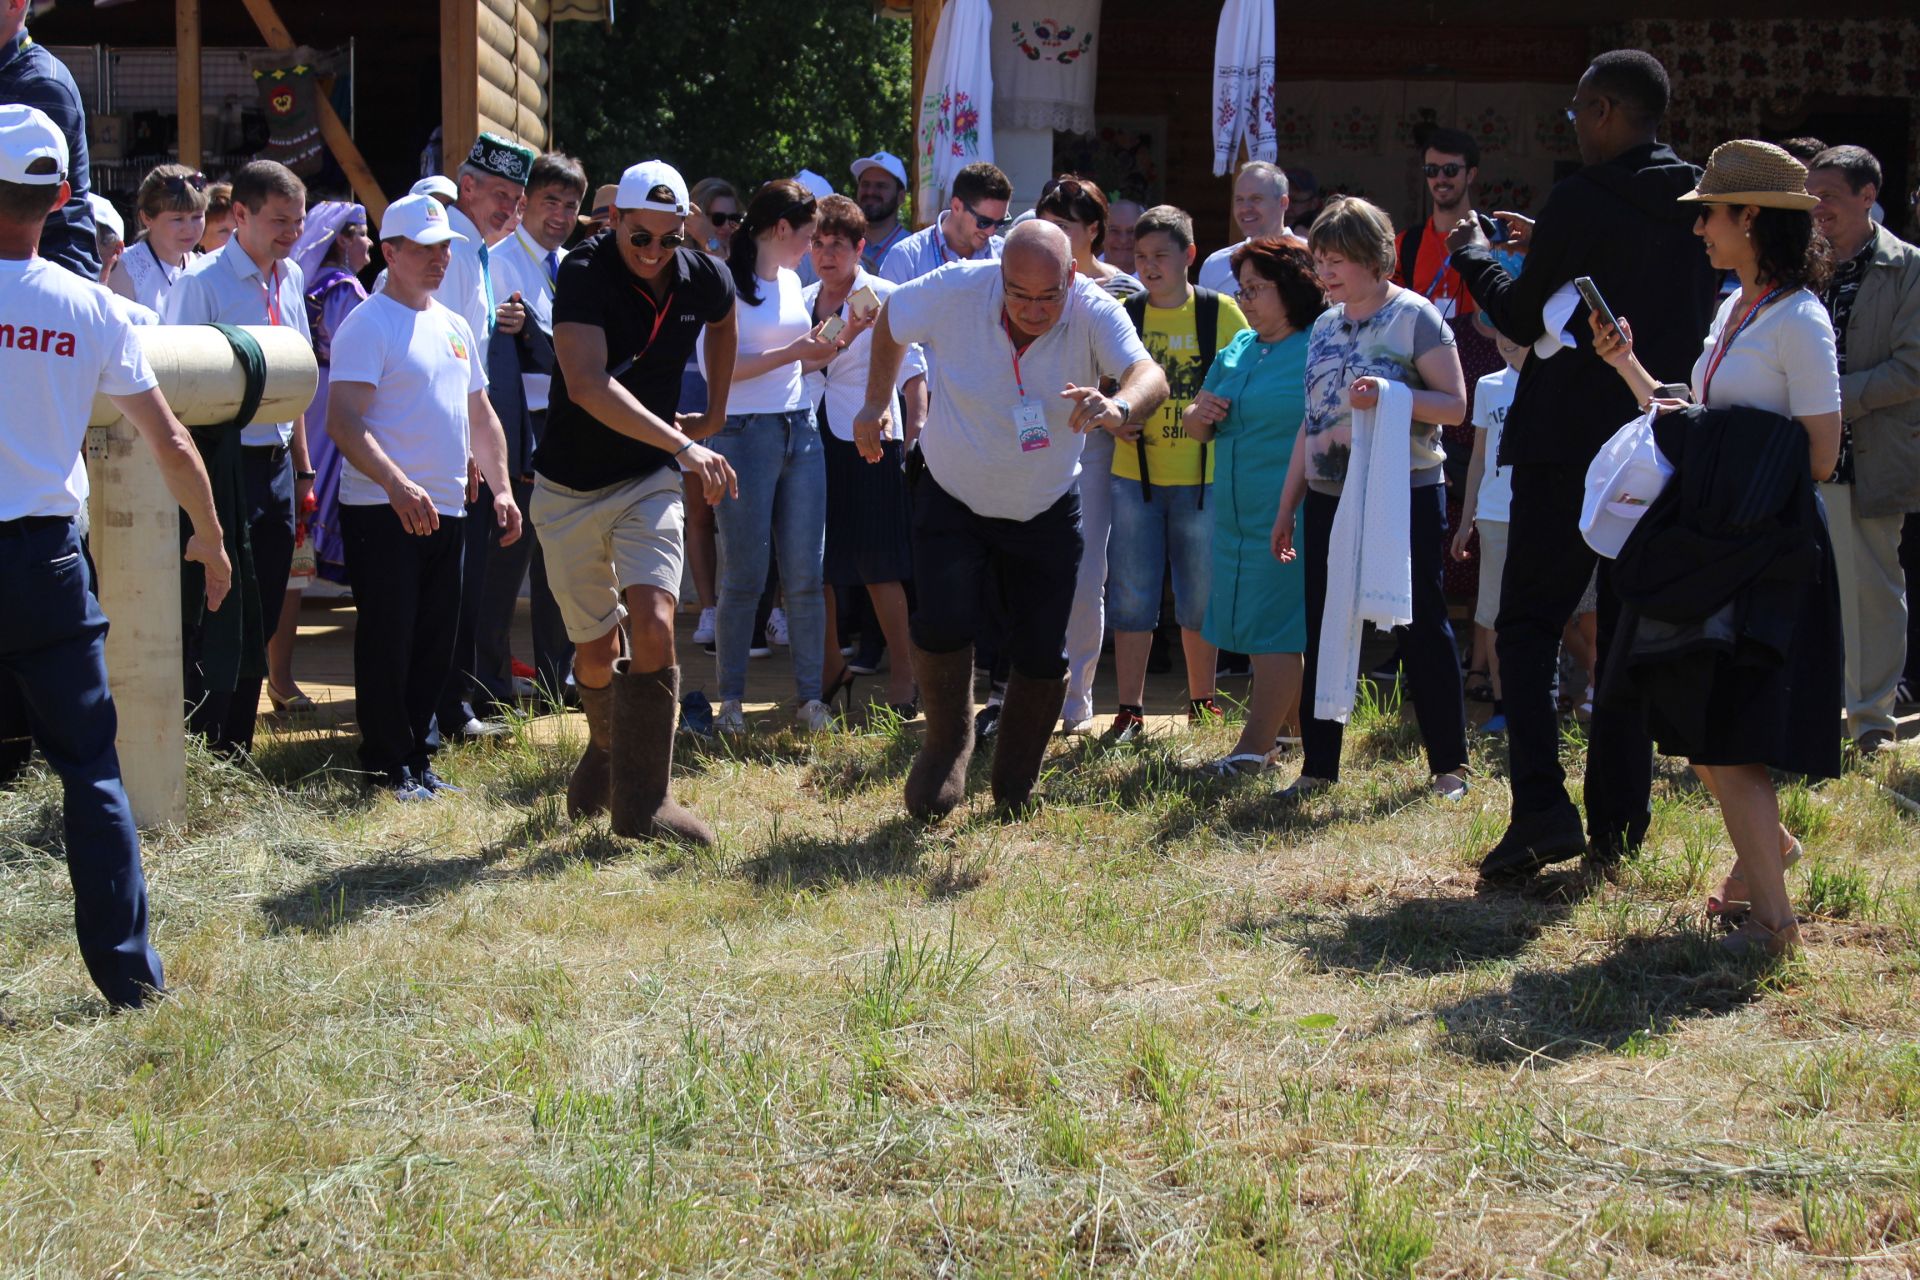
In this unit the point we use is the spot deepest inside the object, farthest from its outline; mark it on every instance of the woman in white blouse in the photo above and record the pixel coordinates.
(1771, 347)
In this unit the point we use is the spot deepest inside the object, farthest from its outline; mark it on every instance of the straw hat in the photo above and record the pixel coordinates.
(1750, 172)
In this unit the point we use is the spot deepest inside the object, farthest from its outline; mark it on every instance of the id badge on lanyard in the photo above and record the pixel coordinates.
(1029, 420)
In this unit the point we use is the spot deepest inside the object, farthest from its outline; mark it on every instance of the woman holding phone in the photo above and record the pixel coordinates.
(1771, 347)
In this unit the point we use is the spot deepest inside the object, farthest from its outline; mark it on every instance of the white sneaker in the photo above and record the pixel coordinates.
(703, 632)
(777, 628)
(730, 718)
(1076, 726)
(814, 716)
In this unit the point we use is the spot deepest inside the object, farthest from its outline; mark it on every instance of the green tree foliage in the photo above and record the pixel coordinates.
(746, 89)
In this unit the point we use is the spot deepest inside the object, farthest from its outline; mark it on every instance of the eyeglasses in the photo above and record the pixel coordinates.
(726, 219)
(1578, 107)
(1449, 170)
(1247, 292)
(671, 240)
(177, 186)
(985, 223)
(1043, 299)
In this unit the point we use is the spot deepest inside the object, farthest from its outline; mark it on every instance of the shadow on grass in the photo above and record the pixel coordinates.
(1419, 936)
(848, 763)
(891, 850)
(1646, 986)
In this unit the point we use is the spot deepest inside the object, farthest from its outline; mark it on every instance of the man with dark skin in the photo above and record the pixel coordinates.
(1617, 220)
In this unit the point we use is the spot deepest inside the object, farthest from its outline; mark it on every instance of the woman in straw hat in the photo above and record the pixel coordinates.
(1771, 347)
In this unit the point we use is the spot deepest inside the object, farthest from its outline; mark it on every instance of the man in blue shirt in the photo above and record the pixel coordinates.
(32, 76)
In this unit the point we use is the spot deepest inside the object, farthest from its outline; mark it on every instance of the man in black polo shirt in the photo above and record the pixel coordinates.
(630, 303)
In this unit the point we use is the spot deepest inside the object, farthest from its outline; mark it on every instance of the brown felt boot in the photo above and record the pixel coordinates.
(938, 781)
(644, 707)
(587, 788)
(1026, 722)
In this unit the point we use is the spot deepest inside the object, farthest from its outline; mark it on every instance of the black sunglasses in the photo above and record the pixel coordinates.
(671, 240)
(177, 186)
(1451, 170)
(985, 223)
(726, 219)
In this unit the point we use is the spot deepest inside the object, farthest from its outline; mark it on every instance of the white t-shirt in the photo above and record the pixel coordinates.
(1492, 397)
(780, 317)
(422, 365)
(141, 277)
(1216, 273)
(841, 387)
(1783, 362)
(62, 340)
(973, 440)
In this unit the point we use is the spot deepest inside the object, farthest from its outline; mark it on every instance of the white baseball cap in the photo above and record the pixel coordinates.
(421, 219)
(437, 185)
(1623, 480)
(816, 185)
(28, 135)
(105, 215)
(881, 160)
(638, 183)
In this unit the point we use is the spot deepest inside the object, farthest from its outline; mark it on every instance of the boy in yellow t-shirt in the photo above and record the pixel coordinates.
(1160, 484)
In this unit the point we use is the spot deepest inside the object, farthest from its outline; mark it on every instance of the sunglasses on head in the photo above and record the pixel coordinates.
(1450, 170)
(726, 219)
(177, 186)
(642, 238)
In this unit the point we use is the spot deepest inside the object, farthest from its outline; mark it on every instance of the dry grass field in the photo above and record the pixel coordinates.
(1163, 1026)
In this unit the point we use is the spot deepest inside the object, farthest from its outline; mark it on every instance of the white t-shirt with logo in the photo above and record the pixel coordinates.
(779, 318)
(974, 443)
(1492, 397)
(422, 365)
(62, 341)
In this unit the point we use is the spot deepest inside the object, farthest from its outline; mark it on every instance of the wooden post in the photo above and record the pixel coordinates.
(332, 128)
(926, 20)
(459, 79)
(135, 540)
(186, 40)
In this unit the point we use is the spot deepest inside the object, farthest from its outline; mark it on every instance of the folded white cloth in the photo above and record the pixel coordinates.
(1553, 318)
(1369, 553)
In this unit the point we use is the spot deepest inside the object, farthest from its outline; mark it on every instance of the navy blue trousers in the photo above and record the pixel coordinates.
(53, 654)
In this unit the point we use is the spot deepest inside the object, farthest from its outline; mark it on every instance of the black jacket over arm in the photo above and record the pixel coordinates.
(1730, 613)
(1620, 223)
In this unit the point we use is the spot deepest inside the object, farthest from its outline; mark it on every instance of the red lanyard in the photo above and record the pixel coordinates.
(271, 287)
(1727, 341)
(660, 312)
(1014, 343)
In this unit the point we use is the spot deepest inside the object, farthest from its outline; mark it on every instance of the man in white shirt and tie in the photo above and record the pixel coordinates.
(251, 280)
(525, 266)
(492, 184)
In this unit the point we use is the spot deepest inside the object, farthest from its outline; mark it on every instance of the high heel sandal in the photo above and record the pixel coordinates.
(1754, 941)
(1733, 910)
(906, 710)
(294, 704)
(841, 690)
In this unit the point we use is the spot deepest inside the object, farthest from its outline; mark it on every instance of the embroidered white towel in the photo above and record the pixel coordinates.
(1369, 556)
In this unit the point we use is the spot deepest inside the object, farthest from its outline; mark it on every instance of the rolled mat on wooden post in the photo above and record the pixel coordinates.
(135, 538)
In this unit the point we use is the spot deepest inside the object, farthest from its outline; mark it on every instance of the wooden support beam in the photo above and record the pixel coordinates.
(459, 79)
(186, 42)
(332, 128)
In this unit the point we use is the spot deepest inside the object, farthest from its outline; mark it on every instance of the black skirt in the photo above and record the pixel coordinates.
(868, 525)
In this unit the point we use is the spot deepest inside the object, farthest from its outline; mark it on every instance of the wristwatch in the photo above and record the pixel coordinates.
(306, 475)
(1126, 409)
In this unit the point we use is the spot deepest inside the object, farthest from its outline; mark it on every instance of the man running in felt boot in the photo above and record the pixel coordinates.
(1017, 349)
(631, 301)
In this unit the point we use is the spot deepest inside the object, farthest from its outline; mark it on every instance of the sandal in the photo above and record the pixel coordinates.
(1450, 786)
(1245, 764)
(1754, 941)
(1733, 910)
(1479, 686)
(293, 704)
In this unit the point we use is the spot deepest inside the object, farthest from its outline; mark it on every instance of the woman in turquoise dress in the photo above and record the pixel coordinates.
(1250, 407)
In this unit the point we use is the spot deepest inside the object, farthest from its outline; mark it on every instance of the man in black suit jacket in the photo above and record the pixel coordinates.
(1618, 221)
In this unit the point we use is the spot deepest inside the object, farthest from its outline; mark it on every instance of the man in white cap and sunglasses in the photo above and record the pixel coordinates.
(630, 303)
(407, 407)
(65, 339)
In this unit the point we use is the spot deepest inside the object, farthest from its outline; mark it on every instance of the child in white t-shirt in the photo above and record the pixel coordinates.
(1488, 497)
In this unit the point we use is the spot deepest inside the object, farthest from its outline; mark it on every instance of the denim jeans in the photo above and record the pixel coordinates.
(53, 652)
(783, 497)
(1175, 526)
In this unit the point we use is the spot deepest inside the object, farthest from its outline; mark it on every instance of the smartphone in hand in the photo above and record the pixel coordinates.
(1591, 293)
